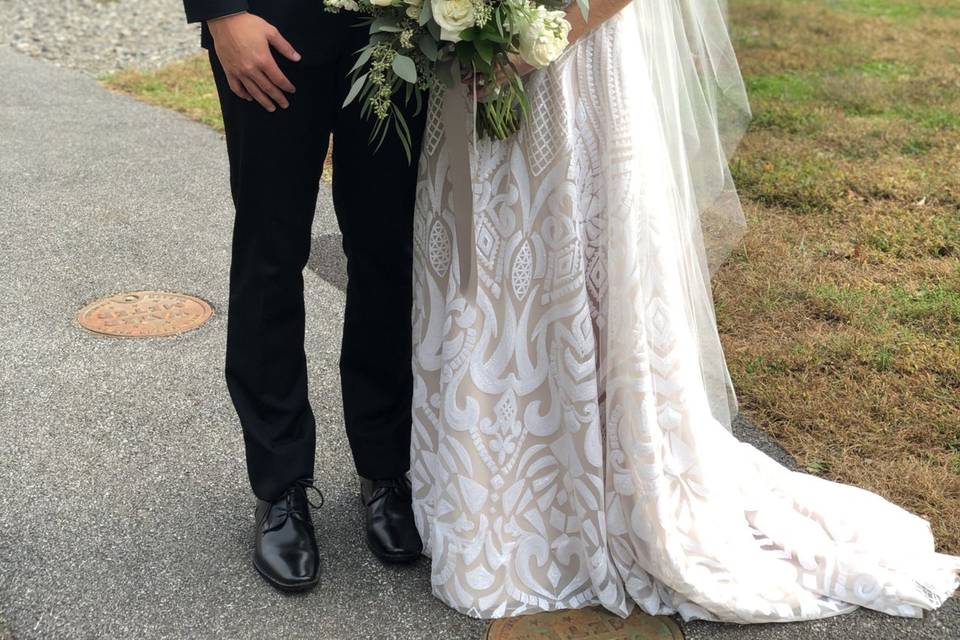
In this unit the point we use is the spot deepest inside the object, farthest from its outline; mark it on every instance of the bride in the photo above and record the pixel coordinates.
(572, 408)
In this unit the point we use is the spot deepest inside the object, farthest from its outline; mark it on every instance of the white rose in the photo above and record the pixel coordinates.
(414, 7)
(453, 16)
(449, 36)
(335, 6)
(544, 37)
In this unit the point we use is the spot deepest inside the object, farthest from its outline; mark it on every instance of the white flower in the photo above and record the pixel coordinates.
(453, 16)
(414, 7)
(334, 6)
(449, 36)
(544, 37)
(381, 3)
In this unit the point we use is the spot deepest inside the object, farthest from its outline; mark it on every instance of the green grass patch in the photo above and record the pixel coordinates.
(933, 308)
(932, 118)
(897, 9)
(803, 184)
(786, 117)
(792, 87)
(936, 307)
(907, 238)
(916, 146)
(186, 87)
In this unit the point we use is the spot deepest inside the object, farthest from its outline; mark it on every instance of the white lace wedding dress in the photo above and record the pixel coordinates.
(570, 440)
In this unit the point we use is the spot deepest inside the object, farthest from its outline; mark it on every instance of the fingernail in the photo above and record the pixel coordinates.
(296, 57)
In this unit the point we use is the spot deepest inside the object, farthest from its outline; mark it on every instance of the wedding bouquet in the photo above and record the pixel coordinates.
(415, 43)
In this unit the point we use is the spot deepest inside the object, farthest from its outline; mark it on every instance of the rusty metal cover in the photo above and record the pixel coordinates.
(584, 624)
(145, 313)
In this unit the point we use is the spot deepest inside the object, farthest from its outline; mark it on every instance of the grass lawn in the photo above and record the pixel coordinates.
(840, 314)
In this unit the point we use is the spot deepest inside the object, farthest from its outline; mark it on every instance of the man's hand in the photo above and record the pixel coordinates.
(243, 42)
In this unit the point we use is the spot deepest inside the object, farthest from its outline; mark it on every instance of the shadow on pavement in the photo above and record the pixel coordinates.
(327, 259)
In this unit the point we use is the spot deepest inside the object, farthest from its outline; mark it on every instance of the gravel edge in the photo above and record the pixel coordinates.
(96, 36)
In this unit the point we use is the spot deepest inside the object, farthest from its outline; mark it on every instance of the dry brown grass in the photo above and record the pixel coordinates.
(841, 313)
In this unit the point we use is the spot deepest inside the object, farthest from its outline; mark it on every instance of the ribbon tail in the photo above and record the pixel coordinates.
(461, 178)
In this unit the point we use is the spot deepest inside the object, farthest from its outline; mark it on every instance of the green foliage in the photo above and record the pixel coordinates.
(897, 9)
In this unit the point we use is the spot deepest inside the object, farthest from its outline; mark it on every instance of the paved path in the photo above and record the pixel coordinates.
(124, 505)
(124, 508)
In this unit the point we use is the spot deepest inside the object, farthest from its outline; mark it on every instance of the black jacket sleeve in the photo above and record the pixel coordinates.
(199, 10)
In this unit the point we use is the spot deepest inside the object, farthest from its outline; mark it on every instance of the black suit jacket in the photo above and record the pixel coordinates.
(199, 10)
(303, 22)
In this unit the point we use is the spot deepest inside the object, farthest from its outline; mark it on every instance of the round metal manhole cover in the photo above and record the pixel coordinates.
(593, 623)
(145, 313)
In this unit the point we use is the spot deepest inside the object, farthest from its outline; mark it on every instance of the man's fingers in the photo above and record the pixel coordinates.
(276, 76)
(280, 43)
(266, 85)
(237, 87)
(259, 95)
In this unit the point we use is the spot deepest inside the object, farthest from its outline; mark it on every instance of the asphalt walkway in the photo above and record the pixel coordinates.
(124, 505)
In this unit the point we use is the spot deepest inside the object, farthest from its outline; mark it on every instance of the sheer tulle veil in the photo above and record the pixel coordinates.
(690, 68)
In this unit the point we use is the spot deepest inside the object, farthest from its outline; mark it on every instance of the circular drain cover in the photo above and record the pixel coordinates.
(145, 313)
(593, 624)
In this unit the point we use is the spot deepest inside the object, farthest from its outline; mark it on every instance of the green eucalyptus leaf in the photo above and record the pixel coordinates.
(428, 46)
(418, 102)
(405, 68)
(403, 132)
(426, 12)
(364, 57)
(385, 23)
(381, 131)
(355, 89)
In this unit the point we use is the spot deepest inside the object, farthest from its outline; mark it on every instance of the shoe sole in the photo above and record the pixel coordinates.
(281, 586)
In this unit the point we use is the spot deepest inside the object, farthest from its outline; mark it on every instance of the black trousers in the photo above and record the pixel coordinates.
(276, 161)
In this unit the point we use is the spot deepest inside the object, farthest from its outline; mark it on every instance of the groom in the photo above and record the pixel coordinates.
(281, 71)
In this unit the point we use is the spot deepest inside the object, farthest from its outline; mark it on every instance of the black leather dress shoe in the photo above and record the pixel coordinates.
(391, 533)
(286, 552)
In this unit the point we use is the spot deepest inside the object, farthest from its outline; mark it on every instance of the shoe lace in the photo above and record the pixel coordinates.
(309, 484)
(286, 508)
